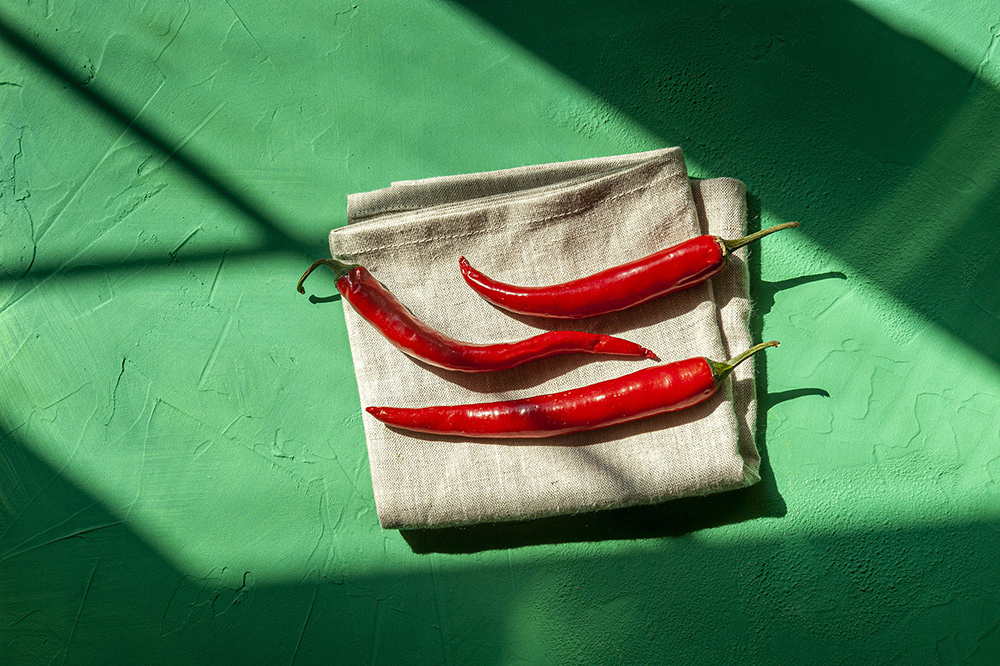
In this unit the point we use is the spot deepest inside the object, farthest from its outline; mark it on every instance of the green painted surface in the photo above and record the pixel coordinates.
(182, 468)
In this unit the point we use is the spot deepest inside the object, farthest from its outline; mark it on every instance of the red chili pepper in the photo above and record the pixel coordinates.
(411, 336)
(665, 388)
(679, 267)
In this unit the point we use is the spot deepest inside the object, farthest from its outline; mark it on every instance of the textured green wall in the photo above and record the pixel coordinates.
(183, 475)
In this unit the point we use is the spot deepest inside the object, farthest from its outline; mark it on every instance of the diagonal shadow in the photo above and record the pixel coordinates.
(275, 239)
(883, 147)
(74, 572)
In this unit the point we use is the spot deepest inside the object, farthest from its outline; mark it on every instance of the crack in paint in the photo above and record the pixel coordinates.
(305, 625)
(173, 252)
(215, 280)
(207, 368)
(202, 595)
(990, 48)
(147, 168)
(114, 393)
(83, 602)
(27, 209)
(337, 15)
(79, 534)
(19, 195)
(267, 56)
(187, 11)
(65, 397)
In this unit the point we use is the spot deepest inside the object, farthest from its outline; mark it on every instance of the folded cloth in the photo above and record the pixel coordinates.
(541, 225)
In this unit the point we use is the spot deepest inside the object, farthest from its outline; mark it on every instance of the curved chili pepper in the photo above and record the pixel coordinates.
(413, 337)
(679, 267)
(665, 388)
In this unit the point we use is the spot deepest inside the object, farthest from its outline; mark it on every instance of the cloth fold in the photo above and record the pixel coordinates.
(542, 225)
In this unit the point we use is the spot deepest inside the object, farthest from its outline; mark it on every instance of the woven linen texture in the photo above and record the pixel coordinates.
(542, 225)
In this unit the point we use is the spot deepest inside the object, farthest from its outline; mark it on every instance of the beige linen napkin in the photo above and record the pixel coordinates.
(533, 226)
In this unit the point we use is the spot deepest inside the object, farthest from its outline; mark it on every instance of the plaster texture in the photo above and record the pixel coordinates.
(183, 475)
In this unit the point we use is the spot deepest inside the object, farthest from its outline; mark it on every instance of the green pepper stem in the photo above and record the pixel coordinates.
(721, 370)
(733, 245)
(339, 268)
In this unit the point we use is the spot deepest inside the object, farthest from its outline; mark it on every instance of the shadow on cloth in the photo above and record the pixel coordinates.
(669, 519)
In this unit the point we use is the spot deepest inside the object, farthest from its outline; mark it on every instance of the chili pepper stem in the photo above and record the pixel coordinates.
(339, 268)
(721, 370)
(733, 245)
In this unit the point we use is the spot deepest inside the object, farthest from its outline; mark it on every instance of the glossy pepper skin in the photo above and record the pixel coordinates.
(413, 337)
(678, 267)
(664, 388)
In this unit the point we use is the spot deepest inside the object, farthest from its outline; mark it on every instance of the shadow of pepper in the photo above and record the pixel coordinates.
(765, 291)
(324, 299)
(772, 399)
